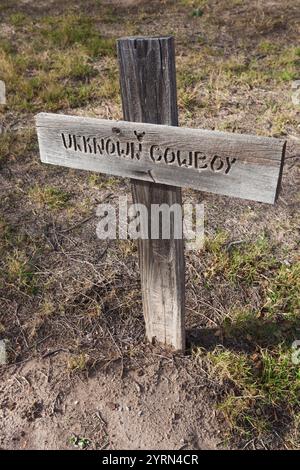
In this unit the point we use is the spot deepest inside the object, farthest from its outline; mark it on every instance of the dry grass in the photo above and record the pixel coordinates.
(62, 287)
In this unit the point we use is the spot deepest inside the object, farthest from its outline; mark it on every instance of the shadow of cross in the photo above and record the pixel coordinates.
(161, 158)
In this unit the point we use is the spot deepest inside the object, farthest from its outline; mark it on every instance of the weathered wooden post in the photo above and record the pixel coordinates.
(148, 89)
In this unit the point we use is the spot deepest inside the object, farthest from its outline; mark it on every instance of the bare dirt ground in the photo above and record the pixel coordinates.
(79, 371)
(157, 406)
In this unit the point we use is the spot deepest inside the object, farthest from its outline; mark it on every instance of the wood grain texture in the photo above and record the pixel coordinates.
(148, 89)
(238, 165)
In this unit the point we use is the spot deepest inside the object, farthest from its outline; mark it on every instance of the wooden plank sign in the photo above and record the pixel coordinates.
(239, 165)
(160, 158)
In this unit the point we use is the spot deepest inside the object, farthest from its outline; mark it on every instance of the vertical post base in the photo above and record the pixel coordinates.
(148, 89)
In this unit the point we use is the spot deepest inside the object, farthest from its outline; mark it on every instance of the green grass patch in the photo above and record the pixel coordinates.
(254, 328)
(72, 29)
(18, 144)
(18, 19)
(267, 47)
(49, 82)
(245, 262)
(78, 362)
(50, 197)
(189, 83)
(258, 387)
(6, 235)
(109, 87)
(99, 181)
(274, 65)
(54, 68)
(20, 271)
(73, 64)
(277, 317)
(283, 292)
(67, 30)
(260, 381)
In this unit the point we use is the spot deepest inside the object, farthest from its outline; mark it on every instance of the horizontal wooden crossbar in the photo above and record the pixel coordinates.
(231, 164)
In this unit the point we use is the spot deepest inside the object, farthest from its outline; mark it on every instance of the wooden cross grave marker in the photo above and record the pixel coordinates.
(160, 158)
